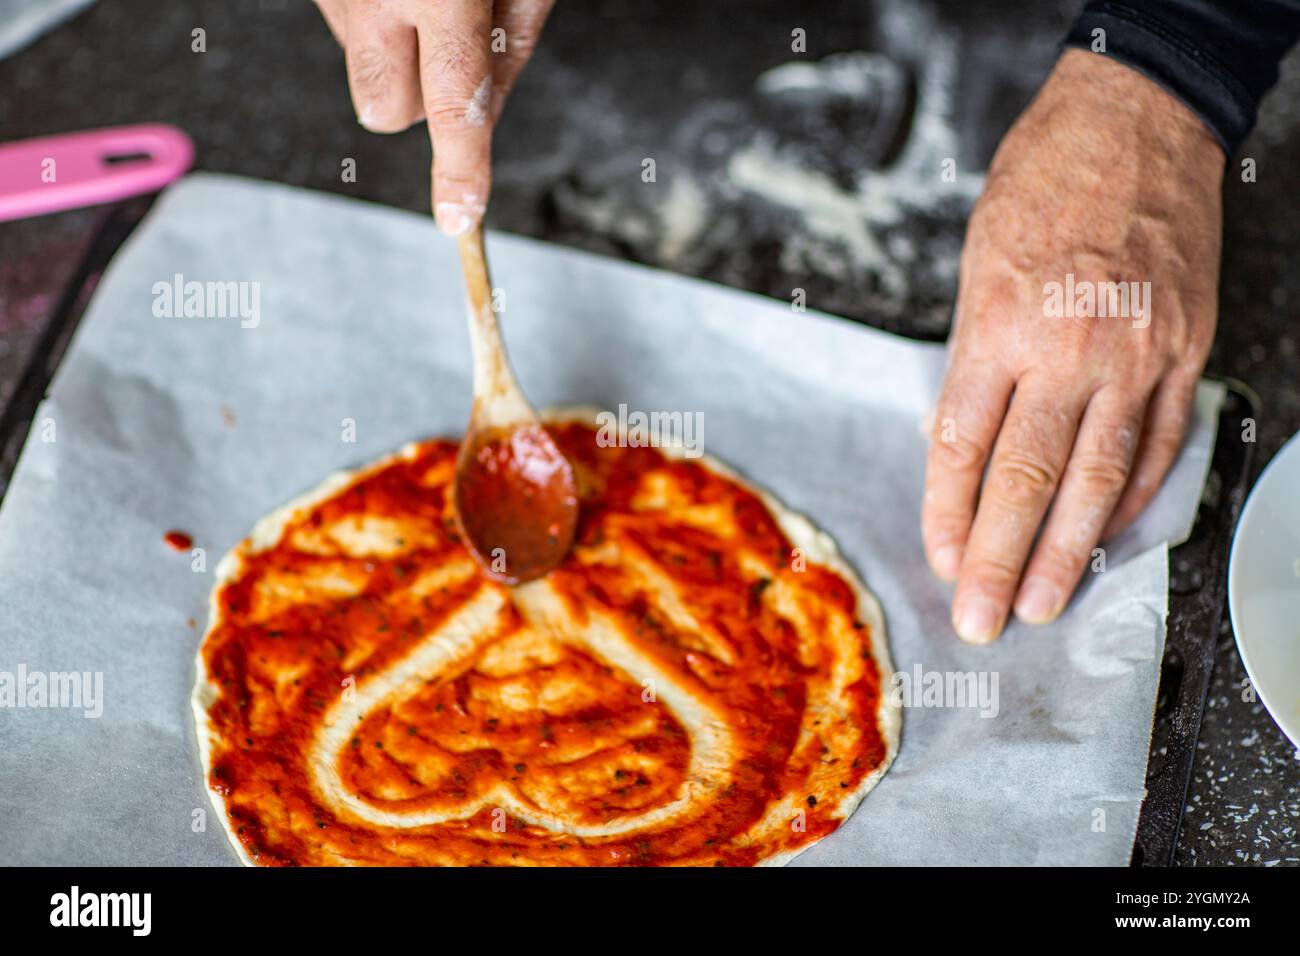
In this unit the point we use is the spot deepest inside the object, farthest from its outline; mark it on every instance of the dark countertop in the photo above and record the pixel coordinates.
(754, 188)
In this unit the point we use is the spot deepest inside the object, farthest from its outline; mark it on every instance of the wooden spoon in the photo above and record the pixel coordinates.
(515, 496)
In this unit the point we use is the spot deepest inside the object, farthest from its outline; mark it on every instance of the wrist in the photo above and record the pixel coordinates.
(1096, 111)
(1127, 93)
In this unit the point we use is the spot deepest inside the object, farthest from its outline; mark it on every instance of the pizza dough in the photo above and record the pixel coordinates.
(702, 681)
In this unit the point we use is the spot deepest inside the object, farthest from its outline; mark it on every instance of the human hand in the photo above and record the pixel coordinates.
(1105, 178)
(451, 62)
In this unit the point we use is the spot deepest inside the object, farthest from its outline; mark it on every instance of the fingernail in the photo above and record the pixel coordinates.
(367, 117)
(947, 562)
(455, 219)
(977, 619)
(1039, 601)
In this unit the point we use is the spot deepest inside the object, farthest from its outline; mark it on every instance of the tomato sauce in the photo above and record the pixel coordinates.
(566, 733)
(516, 506)
(178, 540)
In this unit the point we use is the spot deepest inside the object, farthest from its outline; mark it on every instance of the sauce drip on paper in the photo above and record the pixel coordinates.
(178, 540)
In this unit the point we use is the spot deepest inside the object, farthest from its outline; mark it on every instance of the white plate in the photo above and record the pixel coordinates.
(1264, 588)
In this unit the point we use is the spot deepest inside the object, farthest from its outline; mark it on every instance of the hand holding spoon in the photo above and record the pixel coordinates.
(515, 496)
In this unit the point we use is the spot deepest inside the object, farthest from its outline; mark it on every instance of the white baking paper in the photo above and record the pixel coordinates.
(22, 21)
(206, 424)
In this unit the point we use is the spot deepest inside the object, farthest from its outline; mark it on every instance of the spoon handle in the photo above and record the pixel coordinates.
(498, 398)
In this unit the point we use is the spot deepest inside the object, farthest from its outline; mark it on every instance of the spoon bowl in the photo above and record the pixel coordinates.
(516, 503)
(515, 495)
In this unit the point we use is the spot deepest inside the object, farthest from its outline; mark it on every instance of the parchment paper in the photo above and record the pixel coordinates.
(203, 425)
(22, 21)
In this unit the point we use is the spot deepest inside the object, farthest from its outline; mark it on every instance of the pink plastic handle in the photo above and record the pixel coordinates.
(71, 170)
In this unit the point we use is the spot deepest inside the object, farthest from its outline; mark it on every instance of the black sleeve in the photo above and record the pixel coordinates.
(1218, 56)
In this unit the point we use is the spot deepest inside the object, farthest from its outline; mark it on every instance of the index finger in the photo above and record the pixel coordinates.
(456, 86)
(967, 416)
